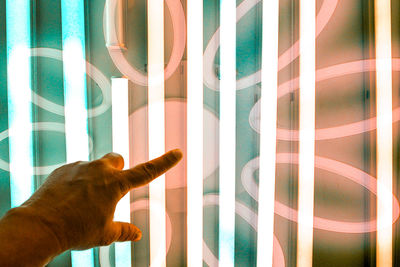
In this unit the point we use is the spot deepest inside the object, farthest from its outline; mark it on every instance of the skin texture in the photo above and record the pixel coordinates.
(74, 209)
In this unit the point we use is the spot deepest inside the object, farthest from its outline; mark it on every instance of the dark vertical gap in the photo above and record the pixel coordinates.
(34, 86)
(292, 235)
(217, 105)
(368, 84)
(89, 88)
(396, 130)
(89, 83)
(5, 196)
(257, 96)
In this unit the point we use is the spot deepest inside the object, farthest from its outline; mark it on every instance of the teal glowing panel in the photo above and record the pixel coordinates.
(75, 99)
(19, 100)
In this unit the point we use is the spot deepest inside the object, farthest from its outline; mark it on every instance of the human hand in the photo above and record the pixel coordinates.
(77, 201)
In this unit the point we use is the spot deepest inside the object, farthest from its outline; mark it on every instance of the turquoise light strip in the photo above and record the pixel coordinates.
(75, 96)
(123, 254)
(19, 100)
(227, 133)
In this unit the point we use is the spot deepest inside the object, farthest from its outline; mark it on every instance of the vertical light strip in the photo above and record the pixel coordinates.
(19, 100)
(156, 124)
(227, 133)
(306, 134)
(120, 139)
(115, 14)
(75, 106)
(268, 112)
(195, 133)
(384, 154)
(121, 23)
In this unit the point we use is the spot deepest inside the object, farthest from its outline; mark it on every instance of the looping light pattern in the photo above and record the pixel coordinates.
(101, 80)
(251, 218)
(93, 72)
(333, 166)
(141, 204)
(179, 28)
(331, 72)
(42, 126)
(211, 81)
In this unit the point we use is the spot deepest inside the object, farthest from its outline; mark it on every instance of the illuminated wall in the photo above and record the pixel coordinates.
(161, 74)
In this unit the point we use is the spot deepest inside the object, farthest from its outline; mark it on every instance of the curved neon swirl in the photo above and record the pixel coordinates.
(42, 126)
(211, 81)
(52, 107)
(356, 175)
(179, 28)
(93, 72)
(141, 204)
(251, 218)
(322, 75)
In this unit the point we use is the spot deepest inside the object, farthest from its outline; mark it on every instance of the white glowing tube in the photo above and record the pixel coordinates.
(227, 133)
(115, 14)
(384, 152)
(195, 133)
(19, 100)
(120, 139)
(156, 124)
(75, 107)
(268, 120)
(306, 134)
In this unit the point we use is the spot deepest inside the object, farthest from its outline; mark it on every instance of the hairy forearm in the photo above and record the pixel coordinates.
(25, 240)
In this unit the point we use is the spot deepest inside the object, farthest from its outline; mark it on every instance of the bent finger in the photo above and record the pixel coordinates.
(114, 159)
(127, 232)
(144, 173)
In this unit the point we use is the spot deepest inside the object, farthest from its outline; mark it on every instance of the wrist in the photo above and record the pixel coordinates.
(20, 228)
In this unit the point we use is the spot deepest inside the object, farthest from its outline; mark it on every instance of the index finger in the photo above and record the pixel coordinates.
(144, 173)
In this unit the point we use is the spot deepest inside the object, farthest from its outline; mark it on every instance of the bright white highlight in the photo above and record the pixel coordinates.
(384, 146)
(195, 133)
(19, 100)
(120, 142)
(76, 130)
(306, 134)
(156, 124)
(227, 141)
(75, 100)
(115, 17)
(268, 120)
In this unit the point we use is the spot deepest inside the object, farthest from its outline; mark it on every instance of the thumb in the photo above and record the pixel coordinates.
(126, 232)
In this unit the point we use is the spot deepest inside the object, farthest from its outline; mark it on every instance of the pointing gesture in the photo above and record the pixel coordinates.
(74, 208)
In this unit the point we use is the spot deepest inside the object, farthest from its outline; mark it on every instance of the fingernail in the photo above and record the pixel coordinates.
(137, 237)
(177, 153)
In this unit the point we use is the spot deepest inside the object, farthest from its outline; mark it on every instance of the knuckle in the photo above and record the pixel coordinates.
(115, 155)
(122, 187)
(149, 169)
(97, 164)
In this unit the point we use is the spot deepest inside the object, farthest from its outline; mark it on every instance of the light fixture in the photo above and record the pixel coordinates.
(195, 133)
(306, 134)
(75, 96)
(268, 120)
(156, 127)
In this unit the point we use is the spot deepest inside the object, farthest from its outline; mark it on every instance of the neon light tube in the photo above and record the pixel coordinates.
(19, 100)
(384, 153)
(227, 133)
(115, 39)
(306, 134)
(120, 138)
(156, 124)
(195, 134)
(75, 106)
(268, 120)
